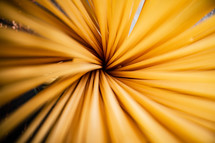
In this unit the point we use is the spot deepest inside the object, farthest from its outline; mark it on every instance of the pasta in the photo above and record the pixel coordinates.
(102, 80)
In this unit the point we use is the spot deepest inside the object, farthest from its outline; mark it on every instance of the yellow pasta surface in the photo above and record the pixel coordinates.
(95, 71)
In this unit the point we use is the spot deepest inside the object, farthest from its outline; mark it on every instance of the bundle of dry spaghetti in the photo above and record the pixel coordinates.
(102, 82)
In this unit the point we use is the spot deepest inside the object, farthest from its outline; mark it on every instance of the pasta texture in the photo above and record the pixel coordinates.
(99, 80)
